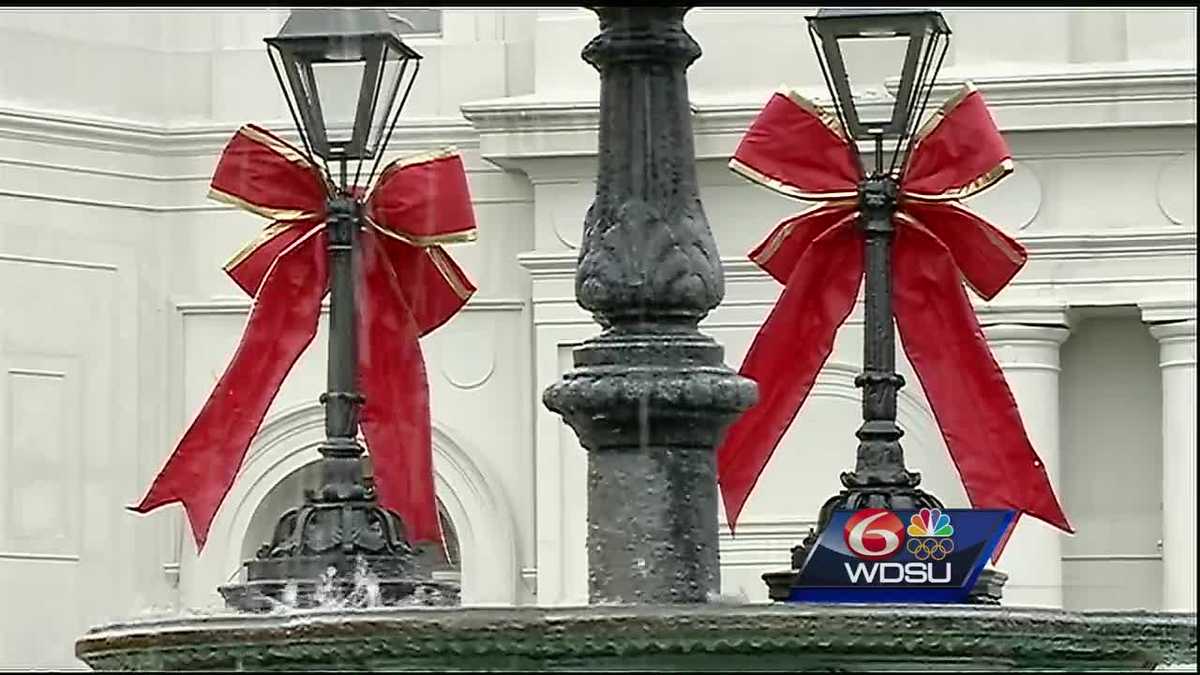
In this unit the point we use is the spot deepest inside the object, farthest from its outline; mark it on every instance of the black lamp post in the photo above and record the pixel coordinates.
(847, 41)
(337, 66)
(879, 478)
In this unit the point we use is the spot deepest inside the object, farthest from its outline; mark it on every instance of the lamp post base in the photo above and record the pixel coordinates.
(350, 553)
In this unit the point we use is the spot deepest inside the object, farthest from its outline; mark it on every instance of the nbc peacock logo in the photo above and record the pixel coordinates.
(875, 535)
(930, 535)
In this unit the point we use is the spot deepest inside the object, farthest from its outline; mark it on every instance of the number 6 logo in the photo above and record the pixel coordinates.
(874, 534)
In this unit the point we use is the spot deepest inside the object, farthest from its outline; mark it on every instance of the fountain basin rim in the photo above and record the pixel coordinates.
(1001, 636)
(487, 614)
(218, 619)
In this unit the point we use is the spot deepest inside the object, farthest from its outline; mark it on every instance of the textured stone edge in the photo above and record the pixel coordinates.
(1025, 638)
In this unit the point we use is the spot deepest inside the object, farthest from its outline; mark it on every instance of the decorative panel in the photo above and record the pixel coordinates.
(42, 456)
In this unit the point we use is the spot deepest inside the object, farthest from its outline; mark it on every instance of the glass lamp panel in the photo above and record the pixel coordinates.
(298, 95)
(869, 61)
(336, 85)
(389, 85)
(933, 49)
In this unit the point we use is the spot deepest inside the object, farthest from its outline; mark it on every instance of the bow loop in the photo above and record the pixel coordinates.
(779, 254)
(958, 153)
(266, 175)
(986, 258)
(423, 200)
(797, 149)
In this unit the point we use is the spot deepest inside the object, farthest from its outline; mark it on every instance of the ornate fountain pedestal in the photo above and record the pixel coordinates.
(648, 398)
(700, 637)
(349, 552)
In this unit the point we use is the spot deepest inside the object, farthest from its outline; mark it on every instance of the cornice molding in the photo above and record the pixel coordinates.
(123, 135)
(239, 306)
(532, 127)
(514, 131)
(1047, 247)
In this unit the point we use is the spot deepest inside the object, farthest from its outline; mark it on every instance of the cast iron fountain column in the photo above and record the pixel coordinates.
(650, 396)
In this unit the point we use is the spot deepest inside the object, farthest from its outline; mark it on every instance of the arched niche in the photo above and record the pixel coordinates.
(287, 443)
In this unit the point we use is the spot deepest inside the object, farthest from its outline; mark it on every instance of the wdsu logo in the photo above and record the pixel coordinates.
(878, 555)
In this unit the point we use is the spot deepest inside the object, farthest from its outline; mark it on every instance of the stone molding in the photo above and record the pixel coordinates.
(1174, 331)
(1157, 96)
(1080, 246)
(1038, 321)
(519, 129)
(1164, 311)
(62, 128)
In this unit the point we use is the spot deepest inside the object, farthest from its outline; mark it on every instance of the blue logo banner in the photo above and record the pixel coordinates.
(879, 555)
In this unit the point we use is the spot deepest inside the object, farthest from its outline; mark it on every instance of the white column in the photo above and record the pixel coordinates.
(1029, 356)
(1177, 361)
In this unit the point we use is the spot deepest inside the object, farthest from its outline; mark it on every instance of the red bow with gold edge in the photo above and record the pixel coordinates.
(800, 150)
(406, 287)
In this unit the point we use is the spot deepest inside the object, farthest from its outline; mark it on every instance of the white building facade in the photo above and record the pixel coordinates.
(116, 319)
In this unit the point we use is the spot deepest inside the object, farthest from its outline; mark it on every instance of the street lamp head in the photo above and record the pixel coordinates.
(865, 45)
(341, 71)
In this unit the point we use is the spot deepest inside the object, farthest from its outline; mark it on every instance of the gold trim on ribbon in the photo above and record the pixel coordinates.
(780, 234)
(280, 146)
(273, 230)
(418, 158)
(462, 236)
(943, 110)
(438, 257)
(826, 117)
(987, 180)
(264, 211)
(979, 184)
(753, 175)
(300, 241)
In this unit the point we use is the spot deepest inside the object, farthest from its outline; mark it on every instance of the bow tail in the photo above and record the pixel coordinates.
(819, 295)
(395, 417)
(282, 322)
(966, 388)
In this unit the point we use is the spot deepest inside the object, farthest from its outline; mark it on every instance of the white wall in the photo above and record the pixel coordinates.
(116, 319)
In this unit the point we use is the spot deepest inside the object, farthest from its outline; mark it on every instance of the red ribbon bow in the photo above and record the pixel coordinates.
(798, 149)
(406, 287)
